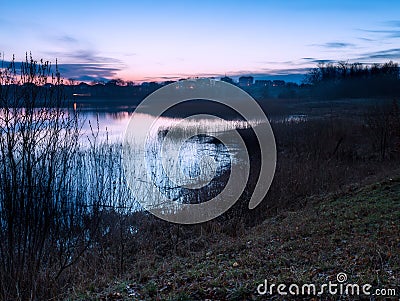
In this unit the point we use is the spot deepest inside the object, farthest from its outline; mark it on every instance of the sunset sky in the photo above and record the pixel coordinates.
(162, 40)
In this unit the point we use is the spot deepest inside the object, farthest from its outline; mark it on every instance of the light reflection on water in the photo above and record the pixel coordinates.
(202, 159)
(114, 124)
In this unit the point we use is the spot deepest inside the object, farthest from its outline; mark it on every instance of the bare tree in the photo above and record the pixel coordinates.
(42, 225)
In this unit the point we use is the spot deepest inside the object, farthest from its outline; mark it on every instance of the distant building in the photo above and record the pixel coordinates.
(227, 79)
(246, 81)
(263, 83)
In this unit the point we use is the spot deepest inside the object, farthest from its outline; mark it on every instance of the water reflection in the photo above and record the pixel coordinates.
(114, 124)
(199, 170)
(111, 124)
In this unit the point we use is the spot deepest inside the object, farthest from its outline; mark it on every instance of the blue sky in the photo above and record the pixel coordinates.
(161, 40)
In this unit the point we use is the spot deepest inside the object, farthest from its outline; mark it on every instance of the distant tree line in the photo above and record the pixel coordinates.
(325, 81)
(344, 79)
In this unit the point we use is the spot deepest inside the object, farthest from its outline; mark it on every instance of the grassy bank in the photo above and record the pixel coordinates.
(355, 231)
